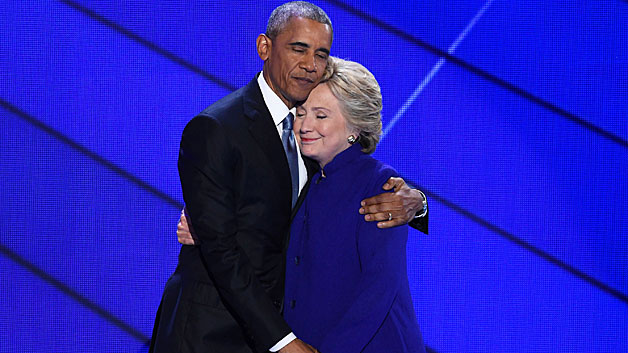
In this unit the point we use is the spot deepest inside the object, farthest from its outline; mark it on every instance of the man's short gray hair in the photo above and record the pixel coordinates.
(281, 15)
(360, 99)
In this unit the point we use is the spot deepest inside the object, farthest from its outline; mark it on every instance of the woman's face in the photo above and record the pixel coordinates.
(320, 128)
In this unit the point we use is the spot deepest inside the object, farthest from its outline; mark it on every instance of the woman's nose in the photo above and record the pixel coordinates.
(305, 124)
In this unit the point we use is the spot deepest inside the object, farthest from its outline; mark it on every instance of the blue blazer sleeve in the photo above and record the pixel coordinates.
(383, 268)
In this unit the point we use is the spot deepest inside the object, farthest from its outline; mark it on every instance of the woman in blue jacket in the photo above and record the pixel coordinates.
(346, 281)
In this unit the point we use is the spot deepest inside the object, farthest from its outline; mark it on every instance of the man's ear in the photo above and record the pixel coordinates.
(264, 46)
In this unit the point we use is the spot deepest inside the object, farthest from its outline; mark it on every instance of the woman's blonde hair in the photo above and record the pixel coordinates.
(360, 99)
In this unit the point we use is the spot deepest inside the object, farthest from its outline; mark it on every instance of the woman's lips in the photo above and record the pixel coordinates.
(308, 140)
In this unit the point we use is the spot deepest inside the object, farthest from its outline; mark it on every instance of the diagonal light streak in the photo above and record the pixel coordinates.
(426, 80)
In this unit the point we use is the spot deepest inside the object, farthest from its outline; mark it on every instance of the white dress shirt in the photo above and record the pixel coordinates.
(279, 111)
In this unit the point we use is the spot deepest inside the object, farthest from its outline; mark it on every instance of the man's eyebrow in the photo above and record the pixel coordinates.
(305, 45)
(300, 44)
(324, 50)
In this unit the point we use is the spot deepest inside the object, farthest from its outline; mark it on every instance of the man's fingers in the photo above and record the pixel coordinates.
(389, 184)
(386, 219)
(390, 224)
(381, 207)
(391, 209)
(378, 199)
(380, 216)
(393, 183)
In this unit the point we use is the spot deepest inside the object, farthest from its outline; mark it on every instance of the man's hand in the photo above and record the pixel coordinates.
(392, 208)
(185, 233)
(298, 346)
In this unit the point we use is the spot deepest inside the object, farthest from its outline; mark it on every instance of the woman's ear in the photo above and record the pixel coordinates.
(354, 135)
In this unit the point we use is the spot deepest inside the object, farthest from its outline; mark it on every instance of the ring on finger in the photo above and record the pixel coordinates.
(389, 216)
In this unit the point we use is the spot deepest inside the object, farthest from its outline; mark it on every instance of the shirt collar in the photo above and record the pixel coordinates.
(278, 109)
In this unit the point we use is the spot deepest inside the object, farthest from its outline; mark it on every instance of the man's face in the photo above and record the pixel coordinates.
(295, 60)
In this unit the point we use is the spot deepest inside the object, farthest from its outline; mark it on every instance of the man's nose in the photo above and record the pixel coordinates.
(308, 63)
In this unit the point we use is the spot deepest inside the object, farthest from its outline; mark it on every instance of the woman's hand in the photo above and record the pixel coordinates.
(185, 233)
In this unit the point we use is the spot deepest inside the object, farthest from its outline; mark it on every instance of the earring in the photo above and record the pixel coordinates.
(351, 139)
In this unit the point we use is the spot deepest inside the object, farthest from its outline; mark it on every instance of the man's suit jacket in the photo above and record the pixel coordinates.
(226, 294)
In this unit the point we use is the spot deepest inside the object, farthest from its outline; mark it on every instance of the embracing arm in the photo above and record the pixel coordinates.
(404, 205)
(205, 169)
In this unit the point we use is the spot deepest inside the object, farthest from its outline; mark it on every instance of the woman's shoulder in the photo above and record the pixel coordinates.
(376, 168)
(376, 172)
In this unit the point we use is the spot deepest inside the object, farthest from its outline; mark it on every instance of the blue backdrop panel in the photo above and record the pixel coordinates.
(511, 115)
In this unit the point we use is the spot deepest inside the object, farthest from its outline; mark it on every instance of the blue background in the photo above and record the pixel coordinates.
(519, 137)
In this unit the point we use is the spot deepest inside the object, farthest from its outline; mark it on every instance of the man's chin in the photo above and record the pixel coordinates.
(301, 95)
(301, 99)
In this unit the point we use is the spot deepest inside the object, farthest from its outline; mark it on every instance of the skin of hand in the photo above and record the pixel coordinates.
(185, 232)
(403, 204)
(298, 346)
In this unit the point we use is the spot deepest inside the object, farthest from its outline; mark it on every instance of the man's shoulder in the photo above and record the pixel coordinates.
(234, 104)
(228, 105)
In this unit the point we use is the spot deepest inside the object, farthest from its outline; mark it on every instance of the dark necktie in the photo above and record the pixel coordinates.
(289, 145)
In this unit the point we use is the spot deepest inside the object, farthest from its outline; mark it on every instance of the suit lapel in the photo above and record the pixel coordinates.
(264, 132)
(312, 168)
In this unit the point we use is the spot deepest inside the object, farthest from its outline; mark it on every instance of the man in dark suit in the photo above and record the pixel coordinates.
(241, 181)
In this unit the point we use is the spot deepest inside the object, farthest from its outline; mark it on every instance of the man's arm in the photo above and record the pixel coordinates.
(290, 344)
(298, 346)
(405, 206)
(206, 179)
(400, 207)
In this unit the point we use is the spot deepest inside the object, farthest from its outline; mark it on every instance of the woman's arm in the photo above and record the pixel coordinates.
(382, 256)
(402, 206)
